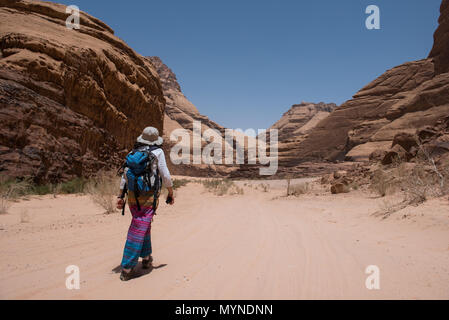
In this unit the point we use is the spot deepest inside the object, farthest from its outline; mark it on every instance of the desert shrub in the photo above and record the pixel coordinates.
(298, 189)
(103, 190)
(55, 189)
(4, 204)
(422, 179)
(16, 188)
(420, 183)
(11, 190)
(387, 207)
(236, 190)
(221, 187)
(178, 183)
(381, 183)
(265, 187)
(41, 190)
(74, 186)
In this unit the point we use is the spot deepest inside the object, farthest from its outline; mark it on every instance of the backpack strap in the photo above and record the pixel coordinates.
(158, 184)
(125, 191)
(156, 191)
(136, 194)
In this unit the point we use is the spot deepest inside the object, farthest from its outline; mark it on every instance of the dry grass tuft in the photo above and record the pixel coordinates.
(11, 190)
(381, 183)
(419, 181)
(419, 184)
(178, 183)
(221, 187)
(103, 190)
(298, 189)
(424, 180)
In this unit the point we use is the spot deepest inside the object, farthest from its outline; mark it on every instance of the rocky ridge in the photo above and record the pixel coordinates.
(71, 101)
(407, 98)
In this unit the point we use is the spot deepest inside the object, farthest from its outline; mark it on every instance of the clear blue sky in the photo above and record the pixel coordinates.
(244, 63)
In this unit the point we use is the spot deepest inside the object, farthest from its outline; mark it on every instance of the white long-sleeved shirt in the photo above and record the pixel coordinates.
(161, 165)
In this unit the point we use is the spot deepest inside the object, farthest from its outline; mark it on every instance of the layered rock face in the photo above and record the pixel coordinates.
(71, 101)
(440, 50)
(404, 99)
(301, 118)
(295, 125)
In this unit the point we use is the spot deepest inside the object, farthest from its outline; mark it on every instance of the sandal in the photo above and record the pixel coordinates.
(146, 264)
(125, 276)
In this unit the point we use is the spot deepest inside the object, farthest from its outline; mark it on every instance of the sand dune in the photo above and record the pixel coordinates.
(254, 246)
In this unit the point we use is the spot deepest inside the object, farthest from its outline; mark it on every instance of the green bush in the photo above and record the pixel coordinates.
(16, 188)
(74, 186)
(42, 190)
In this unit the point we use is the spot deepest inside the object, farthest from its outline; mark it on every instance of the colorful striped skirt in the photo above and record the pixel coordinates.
(138, 242)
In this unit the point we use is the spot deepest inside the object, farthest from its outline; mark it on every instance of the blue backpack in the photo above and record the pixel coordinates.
(140, 175)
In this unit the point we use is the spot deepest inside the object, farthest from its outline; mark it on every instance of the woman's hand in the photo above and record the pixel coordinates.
(170, 197)
(120, 203)
(170, 200)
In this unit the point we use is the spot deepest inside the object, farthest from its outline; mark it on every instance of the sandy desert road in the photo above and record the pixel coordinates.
(235, 247)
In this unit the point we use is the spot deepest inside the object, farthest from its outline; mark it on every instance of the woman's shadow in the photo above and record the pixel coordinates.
(139, 271)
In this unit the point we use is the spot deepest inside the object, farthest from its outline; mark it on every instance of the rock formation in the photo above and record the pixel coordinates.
(440, 50)
(71, 101)
(300, 119)
(295, 125)
(404, 99)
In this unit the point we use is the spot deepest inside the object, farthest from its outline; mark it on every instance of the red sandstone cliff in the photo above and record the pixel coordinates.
(407, 98)
(70, 100)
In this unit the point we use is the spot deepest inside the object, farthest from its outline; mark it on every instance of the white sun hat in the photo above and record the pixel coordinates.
(150, 136)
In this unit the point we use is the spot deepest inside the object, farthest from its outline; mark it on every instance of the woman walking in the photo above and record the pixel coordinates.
(143, 201)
